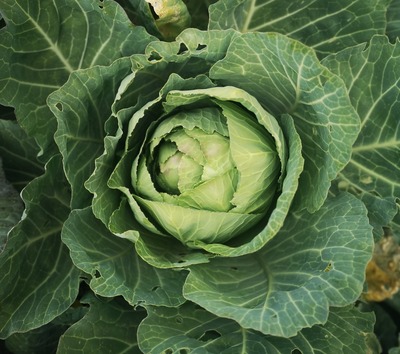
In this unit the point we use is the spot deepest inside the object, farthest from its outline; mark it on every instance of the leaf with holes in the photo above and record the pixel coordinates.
(109, 327)
(316, 261)
(80, 130)
(44, 42)
(393, 20)
(35, 260)
(326, 27)
(372, 75)
(191, 329)
(186, 190)
(114, 266)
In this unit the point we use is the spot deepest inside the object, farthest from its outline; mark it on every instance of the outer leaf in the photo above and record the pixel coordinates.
(192, 329)
(44, 339)
(293, 81)
(139, 11)
(114, 265)
(393, 20)
(372, 76)
(38, 280)
(327, 26)
(10, 208)
(316, 261)
(46, 41)
(18, 152)
(381, 212)
(81, 107)
(385, 326)
(199, 12)
(395, 224)
(109, 327)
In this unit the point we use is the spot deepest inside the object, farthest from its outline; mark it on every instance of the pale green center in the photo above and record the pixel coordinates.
(187, 159)
(195, 169)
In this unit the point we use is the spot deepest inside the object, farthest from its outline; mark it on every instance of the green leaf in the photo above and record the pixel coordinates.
(395, 223)
(109, 327)
(44, 42)
(115, 267)
(81, 107)
(192, 329)
(40, 340)
(19, 154)
(139, 11)
(316, 261)
(372, 76)
(10, 208)
(325, 26)
(44, 339)
(38, 280)
(385, 326)
(199, 12)
(393, 20)
(292, 81)
(381, 212)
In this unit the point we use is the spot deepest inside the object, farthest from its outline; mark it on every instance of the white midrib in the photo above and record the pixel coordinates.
(378, 145)
(271, 21)
(244, 346)
(246, 25)
(53, 46)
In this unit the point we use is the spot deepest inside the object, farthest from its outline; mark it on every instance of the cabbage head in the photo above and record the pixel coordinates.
(193, 162)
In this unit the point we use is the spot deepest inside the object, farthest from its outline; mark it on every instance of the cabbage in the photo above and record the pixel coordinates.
(198, 176)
